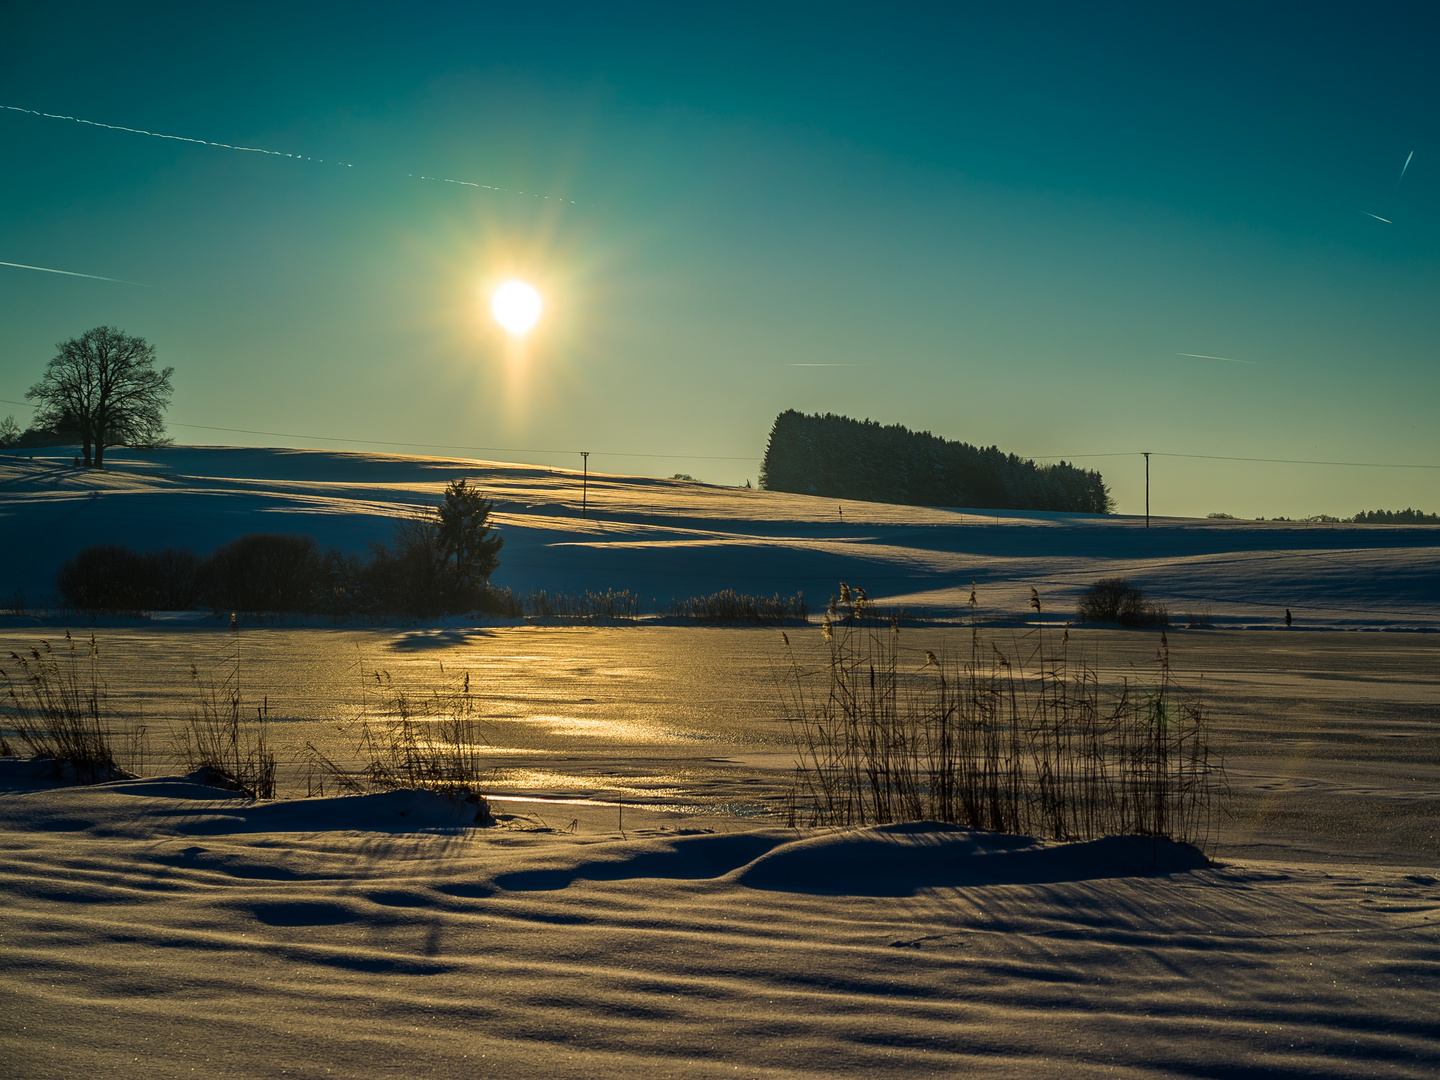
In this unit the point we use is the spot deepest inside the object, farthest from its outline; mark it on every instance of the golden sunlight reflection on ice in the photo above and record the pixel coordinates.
(610, 728)
(656, 786)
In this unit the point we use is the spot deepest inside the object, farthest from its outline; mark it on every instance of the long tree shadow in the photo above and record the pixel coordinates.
(438, 638)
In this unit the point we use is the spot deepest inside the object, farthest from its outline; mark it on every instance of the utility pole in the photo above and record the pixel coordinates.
(585, 480)
(1147, 487)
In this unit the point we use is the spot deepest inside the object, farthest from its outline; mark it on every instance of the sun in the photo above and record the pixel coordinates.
(516, 306)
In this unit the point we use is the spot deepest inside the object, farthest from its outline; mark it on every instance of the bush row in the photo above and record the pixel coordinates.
(281, 573)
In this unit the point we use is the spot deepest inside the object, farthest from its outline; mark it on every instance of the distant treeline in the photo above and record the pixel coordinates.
(1396, 517)
(12, 438)
(841, 458)
(1365, 517)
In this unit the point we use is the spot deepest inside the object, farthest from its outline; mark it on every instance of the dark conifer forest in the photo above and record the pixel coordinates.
(837, 457)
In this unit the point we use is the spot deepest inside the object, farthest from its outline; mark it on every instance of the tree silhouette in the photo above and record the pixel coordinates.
(464, 522)
(103, 387)
(839, 458)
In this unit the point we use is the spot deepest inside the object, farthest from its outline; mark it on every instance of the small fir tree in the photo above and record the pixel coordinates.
(465, 534)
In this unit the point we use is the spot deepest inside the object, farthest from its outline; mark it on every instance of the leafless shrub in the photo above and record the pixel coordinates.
(1116, 600)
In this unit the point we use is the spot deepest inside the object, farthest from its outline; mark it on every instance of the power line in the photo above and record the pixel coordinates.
(457, 446)
(438, 446)
(722, 457)
(1066, 457)
(1300, 461)
(1225, 457)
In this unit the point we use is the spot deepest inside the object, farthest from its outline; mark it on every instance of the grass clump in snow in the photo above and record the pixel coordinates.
(1033, 746)
(610, 604)
(729, 606)
(430, 741)
(220, 738)
(55, 704)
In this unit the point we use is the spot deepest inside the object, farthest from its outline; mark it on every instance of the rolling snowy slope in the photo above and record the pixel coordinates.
(667, 538)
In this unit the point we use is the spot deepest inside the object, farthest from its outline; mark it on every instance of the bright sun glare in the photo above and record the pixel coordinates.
(516, 307)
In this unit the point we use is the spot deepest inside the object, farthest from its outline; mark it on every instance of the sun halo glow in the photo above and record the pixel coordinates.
(516, 306)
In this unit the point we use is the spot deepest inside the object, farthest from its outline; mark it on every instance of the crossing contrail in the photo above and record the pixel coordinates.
(1203, 356)
(1377, 217)
(1406, 165)
(75, 273)
(260, 150)
(174, 138)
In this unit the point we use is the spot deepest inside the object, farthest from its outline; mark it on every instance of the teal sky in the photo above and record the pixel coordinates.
(1000, 226)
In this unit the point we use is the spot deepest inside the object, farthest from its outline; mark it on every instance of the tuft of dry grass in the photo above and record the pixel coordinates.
(219, 736)
(56, 705)
(610, 604)
(432, 740)
(729, 606)
(1201, 618)
(1020, 740)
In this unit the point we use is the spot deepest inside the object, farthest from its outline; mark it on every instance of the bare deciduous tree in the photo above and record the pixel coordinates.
(103, 386)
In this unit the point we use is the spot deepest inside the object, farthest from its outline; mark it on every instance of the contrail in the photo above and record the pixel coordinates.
(175, 138)
(1203, 356)
(1377, 217)
(1406, 165)
(74, 273)
(821, 365)
(466, 183)
(259, 150)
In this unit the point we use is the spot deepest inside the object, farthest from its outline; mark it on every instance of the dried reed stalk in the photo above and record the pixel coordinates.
(1035, 746)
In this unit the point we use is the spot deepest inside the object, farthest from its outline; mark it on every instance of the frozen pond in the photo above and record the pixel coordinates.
(1332, 740)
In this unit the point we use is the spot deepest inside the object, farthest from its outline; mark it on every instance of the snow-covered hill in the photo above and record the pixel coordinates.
(669, 538)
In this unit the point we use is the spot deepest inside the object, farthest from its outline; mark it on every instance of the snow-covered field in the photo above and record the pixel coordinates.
(151, 930)
(666, 538)
(158, 928)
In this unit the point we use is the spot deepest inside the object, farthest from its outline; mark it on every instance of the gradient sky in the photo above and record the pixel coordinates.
(1001, 224)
